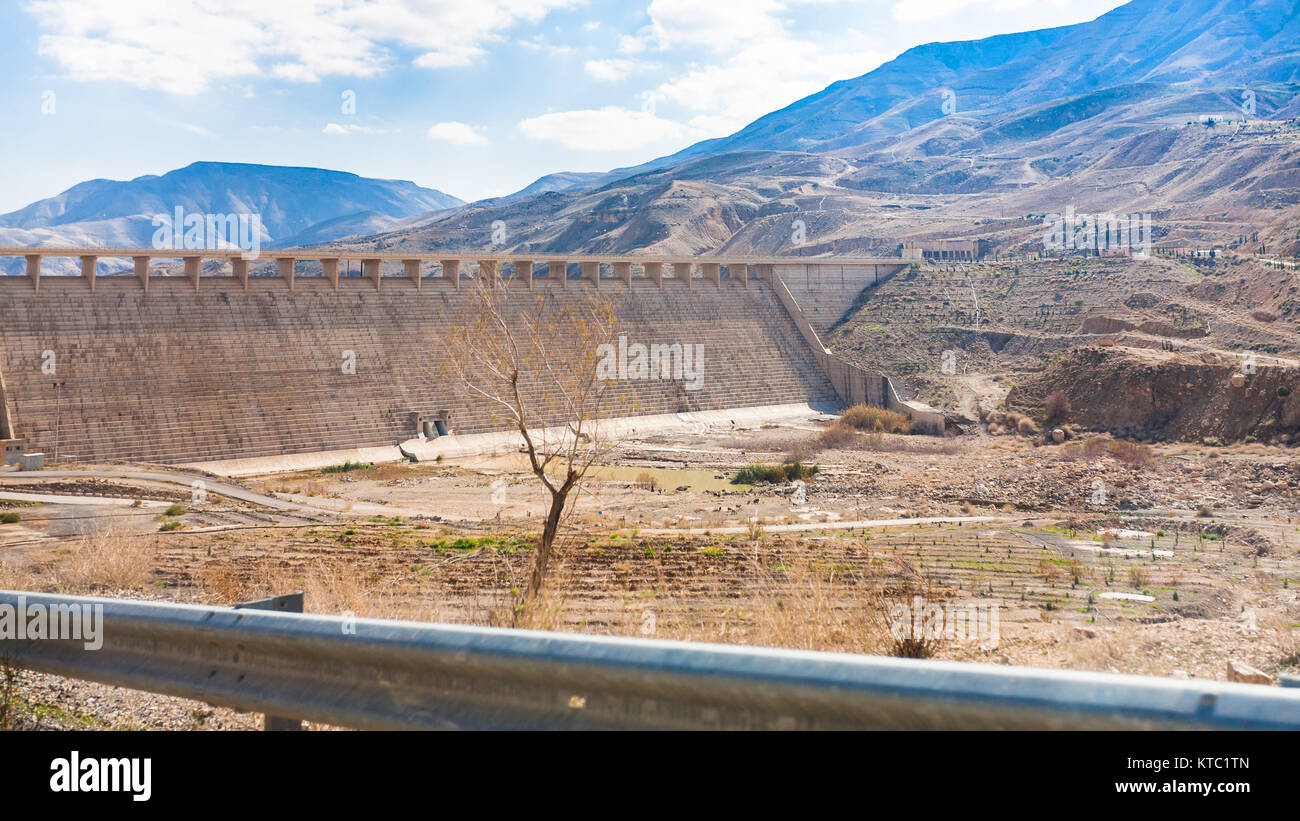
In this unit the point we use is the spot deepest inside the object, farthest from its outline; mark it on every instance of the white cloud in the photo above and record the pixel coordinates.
(756, 63)
(186, 46)
(338, 130)
(457, 134)
(449, 56)
(763, 76)
(925, 11)
(615, 69)
(538, 42)
(602, 129)
(717, 24)
(631, 44)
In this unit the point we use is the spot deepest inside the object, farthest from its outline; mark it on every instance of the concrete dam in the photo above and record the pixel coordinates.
(203, 366)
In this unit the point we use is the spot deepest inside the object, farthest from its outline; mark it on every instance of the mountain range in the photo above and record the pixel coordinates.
(296, 205)
(1184, 109)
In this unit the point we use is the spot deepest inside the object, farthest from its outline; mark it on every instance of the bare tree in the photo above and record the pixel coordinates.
(530, 359)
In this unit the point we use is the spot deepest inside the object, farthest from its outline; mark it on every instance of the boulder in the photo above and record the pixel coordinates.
(1240, 671)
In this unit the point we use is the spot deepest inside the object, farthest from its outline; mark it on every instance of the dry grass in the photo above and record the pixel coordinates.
(799, 604)
(1132, 453)
(842, 436)
(879, 420)
(16, 578)
(838, 436)
(1118, 646)
(106, 560)
(766, 441)
(886, 443)
(335, 587)
(1121, 450)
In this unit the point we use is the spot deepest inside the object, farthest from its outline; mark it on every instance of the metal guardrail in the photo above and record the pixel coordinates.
(377, 674)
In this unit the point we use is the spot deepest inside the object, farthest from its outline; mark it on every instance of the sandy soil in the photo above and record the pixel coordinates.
(662, 544)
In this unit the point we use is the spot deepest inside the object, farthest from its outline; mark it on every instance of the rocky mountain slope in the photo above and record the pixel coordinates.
(295, 205)
(1184, 109)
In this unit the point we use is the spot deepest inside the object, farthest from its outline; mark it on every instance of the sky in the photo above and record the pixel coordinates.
(476, 98)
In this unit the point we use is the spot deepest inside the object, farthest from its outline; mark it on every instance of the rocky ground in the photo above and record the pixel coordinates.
(1169, 559)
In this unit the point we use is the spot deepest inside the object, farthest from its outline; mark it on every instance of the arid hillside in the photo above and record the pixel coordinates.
(1158, 394)
(1201, 185)
(962, 336)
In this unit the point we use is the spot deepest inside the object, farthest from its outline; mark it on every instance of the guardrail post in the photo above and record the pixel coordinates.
(288, 603)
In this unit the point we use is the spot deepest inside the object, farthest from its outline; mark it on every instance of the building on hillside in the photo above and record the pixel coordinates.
(943, 250)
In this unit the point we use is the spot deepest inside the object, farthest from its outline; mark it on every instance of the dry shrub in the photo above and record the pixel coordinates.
(800, 452)
(1049, 571)
(13, 577)
(220, 583)
(646, 481)
(840, 434)
(1137, 577)
(1089, 448)
(806, 606)
(909, 585)
(1117, 648)
(1057, 407)
(339, 588)
(1132, 453)
(1026, 426)
(868, 418)
(108, 559)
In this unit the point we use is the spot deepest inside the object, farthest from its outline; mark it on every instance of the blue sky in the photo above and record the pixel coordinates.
(473, 97)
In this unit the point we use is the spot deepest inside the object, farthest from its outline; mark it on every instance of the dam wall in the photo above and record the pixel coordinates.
(174, 369)
(827, 291)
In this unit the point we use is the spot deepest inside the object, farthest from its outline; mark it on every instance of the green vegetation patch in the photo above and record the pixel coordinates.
(347, 467)
(465, 544)
(757, 473)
